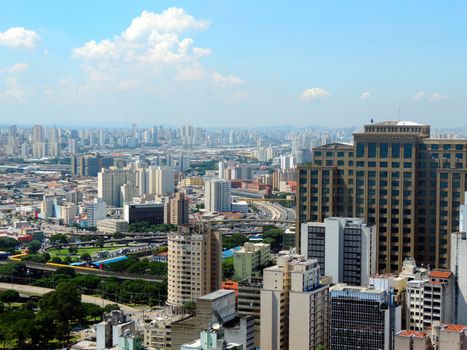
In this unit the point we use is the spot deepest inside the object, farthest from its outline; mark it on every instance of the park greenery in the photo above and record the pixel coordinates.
(237, 239)
(26, 323)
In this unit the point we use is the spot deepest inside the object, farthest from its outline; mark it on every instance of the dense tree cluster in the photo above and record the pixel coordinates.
(40, 325)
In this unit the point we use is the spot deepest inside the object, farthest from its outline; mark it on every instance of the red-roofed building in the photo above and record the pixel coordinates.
(412, 340)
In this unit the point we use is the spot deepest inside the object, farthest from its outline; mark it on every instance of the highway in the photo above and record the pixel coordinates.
(274, 211)
(40, 291)
(88, 271)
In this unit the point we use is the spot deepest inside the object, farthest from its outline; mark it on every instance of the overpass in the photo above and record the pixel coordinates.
(51, 267)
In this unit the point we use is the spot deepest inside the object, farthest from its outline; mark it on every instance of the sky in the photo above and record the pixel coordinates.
(233, 63)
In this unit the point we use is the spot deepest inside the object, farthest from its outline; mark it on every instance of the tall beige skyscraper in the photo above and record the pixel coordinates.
(295, 307)
(161, 180)
(194, 263)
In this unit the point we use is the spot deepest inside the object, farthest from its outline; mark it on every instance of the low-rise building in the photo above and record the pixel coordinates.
(112, 226)
(251, 259)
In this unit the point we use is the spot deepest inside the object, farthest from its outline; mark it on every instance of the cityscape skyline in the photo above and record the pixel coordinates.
(308, 64)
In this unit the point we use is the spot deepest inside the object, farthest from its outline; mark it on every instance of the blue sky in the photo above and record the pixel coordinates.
(236, 63)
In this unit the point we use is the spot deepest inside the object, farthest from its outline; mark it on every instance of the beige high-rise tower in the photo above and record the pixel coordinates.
(295, 307)
(194, 263)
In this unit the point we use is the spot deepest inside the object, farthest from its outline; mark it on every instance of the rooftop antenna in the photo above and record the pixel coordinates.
(399, 113)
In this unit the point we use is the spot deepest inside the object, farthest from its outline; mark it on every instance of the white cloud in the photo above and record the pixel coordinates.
(190, 73)
(14, 91)
(418, 95)
(172, 20)
(436, 96)
(225, 79)
(365, 95)
(313, 93)
(18, 68)
(241, 95)
(19, 37)
(94, 73)
(199, 51)
(126, 85)
(92, 49)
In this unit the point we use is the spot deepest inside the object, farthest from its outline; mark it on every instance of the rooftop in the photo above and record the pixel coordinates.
(397, 123)
(217, 294)
(440, 274)
(408, 333)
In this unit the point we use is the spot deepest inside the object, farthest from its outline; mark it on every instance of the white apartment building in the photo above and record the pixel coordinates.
(345, 248)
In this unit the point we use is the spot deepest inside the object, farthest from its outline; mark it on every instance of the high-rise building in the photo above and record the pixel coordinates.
(177, 210)
(197, 273)
(294, 306)
(217, 195)
(151, 213)
(345, 249)
(249, 302)
(363, 318)
(459, 269)
(89, 164)
(95, 211)
(397, 177)
(109, 183)
(161, 180)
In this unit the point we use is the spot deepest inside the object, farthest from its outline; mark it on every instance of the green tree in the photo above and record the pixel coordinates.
(64, 306)
(58, 239)
(9, 296)
(56, 260)
(227, 268)
(110, 307)
(86, 257)
(73, 250)
(34, 247)
(100, 242)
(8, 243)
(93, 311)
(189, 307)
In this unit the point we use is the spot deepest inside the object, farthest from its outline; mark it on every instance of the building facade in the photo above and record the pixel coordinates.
(194, 263)
(345, 249)
(397, 177)
(217, 195)
(294, 305)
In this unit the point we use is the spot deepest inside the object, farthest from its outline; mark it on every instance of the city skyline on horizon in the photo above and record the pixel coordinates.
(307, 65)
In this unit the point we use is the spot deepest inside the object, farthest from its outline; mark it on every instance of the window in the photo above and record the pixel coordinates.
(407, 150)
(396, 150)
(383, 150)
(360, 150)
(372, 150)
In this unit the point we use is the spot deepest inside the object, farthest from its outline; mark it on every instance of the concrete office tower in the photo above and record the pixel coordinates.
(345, 248)
(459, 269)
(249, 302)
(177, 210)
(217, 196)
(69, 213)
(250, 260)
(39, 149)
(294, 306)
(110, 181)
(397, 177)
(161, 180)
(95, 211)
(195, 274)
(151, 213)
(363, 318)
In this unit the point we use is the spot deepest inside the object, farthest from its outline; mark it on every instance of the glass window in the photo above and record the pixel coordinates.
(317, 153)
(340, 154)
(407, 150)
(372, 150)
(396, 150)
(446, 147)
(383, 150)
(459, 147)
(360, 150)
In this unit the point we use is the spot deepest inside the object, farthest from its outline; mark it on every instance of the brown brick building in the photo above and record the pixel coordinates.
(396, 176)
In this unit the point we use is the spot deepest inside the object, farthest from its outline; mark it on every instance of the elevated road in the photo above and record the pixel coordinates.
(89, 271)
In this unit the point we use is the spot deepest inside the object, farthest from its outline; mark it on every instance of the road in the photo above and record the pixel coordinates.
(274, 211)
(40, 291)
(100, 273)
